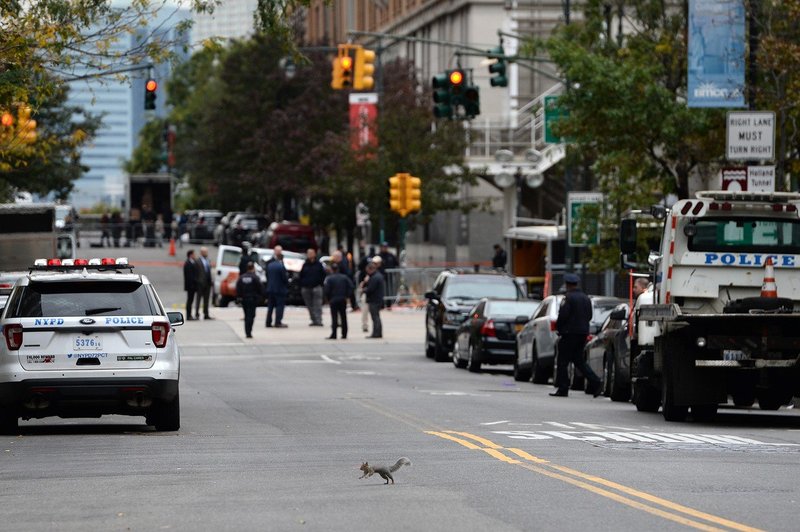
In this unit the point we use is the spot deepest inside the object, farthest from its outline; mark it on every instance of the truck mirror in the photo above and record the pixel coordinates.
(627, 261)
(653, 258)
(659, 212)
(627, 236)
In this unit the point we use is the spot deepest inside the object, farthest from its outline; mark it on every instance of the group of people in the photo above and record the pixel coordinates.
(197, 283)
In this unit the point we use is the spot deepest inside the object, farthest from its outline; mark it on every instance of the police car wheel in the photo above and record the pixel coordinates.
(166, 415)
(9, 422)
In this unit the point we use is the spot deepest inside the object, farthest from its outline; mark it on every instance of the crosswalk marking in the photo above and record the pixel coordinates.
(600, 436)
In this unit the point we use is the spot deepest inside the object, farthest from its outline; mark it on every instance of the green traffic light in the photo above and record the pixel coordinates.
(498, 69)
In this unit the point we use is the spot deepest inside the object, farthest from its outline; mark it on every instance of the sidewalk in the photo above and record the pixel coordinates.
(400, 326)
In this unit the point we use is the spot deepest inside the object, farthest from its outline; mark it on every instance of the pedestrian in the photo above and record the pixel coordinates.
(375, 289)
(312, 279)
(362, 283)
(572, 325)
(159, 230)
(204, 283)
(388, 262)
(245, 258)
(640, 286)
(116, 227)
(500, 258)
(190, 282)
(249, 289)
(105, 235)
(277, 288)
(338, 288)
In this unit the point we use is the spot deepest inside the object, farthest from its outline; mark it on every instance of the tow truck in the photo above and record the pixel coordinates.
(723, 321)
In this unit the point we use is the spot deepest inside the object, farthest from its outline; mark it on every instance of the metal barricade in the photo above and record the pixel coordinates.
(407, 286)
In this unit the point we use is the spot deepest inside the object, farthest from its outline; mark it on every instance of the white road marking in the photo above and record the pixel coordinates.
(454, 393)
(329, 360)
(559, 425)
(495, 422)
(358, 372)
(638, 437)
(224, 344)
(591, 426)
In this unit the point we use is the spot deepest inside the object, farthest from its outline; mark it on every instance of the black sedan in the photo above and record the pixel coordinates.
(608, 354)
(489, 334)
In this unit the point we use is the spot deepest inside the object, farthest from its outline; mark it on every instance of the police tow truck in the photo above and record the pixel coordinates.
(84, 338)
(724, 316)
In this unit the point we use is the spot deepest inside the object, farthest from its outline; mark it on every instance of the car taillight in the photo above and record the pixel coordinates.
(488, 328)
(552, 326)
(13, 335)
(160, 333)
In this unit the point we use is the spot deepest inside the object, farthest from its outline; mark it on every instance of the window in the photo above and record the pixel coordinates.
(64, 299)
(750, 235)
(471, 287)
(512, 308)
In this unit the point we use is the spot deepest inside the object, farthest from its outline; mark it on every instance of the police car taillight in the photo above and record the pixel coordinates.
(13, 336)
(160, 331)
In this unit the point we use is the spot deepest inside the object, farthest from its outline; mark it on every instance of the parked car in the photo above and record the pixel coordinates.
(608, 354)
(227, 272)
(453, 294)
(489, 334)
(243, 227)
(602, 306)
(536, 342)
(202, 224)
(291, 236)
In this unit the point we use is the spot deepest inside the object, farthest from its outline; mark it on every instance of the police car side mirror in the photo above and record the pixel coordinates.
(175, 318)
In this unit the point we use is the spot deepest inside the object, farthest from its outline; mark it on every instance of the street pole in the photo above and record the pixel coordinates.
(569, 252)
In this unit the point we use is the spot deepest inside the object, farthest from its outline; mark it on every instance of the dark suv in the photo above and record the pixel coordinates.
(450, 300)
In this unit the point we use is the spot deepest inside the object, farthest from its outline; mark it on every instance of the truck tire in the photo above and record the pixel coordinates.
(704, 412)
(773, 399)
(669, 409)
(744, 397)
(645, 397)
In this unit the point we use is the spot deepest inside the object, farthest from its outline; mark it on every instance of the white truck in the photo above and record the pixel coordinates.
(28, 232)
(716, 327)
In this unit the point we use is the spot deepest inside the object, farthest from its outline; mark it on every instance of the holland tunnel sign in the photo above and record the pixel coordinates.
(751, 135)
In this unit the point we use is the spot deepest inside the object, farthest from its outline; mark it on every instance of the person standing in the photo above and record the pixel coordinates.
(105, 235)
(338, 288)
(249, 288)
(500, 258)
(312, 278)
(204, 282)
(375, 289)
(640, 286)
(116, 227)
(361, 278)
(190, 282)
(388, 262)
(574, 316)
(277, 288)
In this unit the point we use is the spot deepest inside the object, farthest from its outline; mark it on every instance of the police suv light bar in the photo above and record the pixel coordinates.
(106, 263)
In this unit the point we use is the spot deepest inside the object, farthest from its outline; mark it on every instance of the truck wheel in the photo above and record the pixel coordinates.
(9, 422)
(744, 398)
(646, 398)
(473, 364)
(772, 399)
(671, 411)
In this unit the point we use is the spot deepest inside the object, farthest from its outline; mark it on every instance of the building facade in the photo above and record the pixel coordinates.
(231, 19)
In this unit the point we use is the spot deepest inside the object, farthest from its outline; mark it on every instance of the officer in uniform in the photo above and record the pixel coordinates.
(574, 316)
(250, 289)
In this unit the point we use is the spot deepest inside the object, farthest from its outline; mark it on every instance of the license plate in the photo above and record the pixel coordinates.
(518, 327)
(87, 343)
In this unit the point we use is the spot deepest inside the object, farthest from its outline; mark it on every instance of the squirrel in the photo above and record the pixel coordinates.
(384, 472)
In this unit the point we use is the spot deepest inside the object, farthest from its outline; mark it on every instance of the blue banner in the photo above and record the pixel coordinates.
(716, 57)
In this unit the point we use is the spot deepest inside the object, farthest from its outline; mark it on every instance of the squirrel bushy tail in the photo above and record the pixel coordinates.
(400, 463)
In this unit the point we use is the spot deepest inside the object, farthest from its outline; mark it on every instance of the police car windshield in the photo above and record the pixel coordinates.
(64, 299)
(753, 235)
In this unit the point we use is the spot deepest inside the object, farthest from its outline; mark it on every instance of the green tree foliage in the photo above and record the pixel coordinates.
(148, 157)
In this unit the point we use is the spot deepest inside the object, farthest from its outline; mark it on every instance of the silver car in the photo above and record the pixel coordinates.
(536, 342)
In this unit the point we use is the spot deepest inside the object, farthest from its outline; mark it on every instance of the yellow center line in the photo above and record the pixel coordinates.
(494, 450)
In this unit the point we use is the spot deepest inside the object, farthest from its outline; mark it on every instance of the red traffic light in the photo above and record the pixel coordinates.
(8, 119)
(151, 85)
(347, 62)
(456, 77)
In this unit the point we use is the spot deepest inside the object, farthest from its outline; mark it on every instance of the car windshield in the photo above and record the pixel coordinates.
(749, 235)
(471, 288)
(512, 308)
(64, 299)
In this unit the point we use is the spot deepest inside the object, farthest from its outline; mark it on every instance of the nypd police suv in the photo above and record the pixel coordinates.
(84, 338)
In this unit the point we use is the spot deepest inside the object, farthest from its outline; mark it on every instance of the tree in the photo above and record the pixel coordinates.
(149, 155)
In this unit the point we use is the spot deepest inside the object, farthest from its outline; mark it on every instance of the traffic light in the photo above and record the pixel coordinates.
(150, 87)
(498, 68)
(343, 67)
(26, 126)
(441, 96)
(472, 101)
(396, 193)
(365, 67)
(413, 194)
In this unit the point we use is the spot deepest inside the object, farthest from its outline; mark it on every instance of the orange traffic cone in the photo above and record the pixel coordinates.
(769, 288)
(171, 247)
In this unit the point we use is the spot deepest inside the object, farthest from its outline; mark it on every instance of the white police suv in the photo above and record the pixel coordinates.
(83, 338)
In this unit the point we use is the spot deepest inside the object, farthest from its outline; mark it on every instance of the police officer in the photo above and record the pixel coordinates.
(574, 316)
(250, 289)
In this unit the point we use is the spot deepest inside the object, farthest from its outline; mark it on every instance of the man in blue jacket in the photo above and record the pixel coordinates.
(312, 277)
(277, 288)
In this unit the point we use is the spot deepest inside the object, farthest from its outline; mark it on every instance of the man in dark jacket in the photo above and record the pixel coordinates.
(375, 290)
(500, 258)
(189, 282)
(338, 288)
(249, 289)
(277, 288)
(574, 316)
(312, 277)
(204, 283)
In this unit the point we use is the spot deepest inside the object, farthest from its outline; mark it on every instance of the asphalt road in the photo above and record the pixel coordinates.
(274, 430)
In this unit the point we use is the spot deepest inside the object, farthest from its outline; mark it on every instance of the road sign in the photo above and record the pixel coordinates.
(734, 178)
(552, 114)
(751, 135)
(761, 179)
(583, 218)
